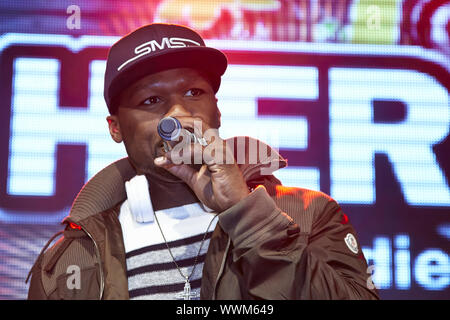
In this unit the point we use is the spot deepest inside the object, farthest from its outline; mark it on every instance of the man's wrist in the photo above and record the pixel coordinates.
(256, 209)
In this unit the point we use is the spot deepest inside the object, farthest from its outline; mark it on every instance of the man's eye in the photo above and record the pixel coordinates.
(194, 92)
(151, 100)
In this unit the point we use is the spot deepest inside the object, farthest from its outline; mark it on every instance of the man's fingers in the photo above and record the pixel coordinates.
(162, 161)
(185, 152)
(182, 171)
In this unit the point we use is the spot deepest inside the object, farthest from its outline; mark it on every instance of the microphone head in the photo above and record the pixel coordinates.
(169, 128)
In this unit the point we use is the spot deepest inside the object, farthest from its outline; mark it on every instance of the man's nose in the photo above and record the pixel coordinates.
(178, 109)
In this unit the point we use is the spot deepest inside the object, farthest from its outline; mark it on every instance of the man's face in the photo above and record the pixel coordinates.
(179, 93)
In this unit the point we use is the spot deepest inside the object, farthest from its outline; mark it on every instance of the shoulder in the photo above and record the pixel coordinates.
(73, 252)
(305, 205)
(302, 198)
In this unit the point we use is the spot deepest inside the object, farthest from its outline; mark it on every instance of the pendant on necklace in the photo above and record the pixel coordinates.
(186, 294)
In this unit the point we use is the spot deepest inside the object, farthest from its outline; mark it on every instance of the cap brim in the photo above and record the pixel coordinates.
(208, 60)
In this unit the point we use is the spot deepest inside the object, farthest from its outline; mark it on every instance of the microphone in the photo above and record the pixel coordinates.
(170, 129)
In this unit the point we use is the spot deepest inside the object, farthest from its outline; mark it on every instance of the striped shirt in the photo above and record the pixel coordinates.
(151, 271)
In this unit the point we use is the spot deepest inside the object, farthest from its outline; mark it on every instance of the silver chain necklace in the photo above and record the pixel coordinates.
(186, 294)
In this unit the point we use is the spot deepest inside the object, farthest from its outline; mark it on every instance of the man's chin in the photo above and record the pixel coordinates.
(160, 174)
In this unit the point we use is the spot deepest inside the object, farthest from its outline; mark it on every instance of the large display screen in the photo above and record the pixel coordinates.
(355, 94)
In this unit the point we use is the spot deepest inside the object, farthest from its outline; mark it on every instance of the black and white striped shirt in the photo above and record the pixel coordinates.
(151, 272)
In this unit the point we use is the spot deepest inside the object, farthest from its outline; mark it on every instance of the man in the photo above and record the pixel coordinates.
(142, 227)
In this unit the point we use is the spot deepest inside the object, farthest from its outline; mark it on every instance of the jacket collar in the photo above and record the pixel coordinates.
(107, 188)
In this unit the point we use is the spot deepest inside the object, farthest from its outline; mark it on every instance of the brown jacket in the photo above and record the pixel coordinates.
(278, 243)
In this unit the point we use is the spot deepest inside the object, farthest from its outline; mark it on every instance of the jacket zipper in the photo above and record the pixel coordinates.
(222, 267)
(97, 251)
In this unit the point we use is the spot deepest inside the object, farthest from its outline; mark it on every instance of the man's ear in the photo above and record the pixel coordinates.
(219, 116)
(114, 128)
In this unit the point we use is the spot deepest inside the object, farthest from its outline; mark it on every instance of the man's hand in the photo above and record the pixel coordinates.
(218, 183)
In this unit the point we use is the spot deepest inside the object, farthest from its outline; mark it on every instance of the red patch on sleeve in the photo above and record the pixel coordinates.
(344, 218)
(74, 226)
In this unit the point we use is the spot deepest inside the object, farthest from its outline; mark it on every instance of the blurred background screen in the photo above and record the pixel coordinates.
(354, 93)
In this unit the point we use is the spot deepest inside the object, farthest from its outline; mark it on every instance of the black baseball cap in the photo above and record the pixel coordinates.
(158, 47)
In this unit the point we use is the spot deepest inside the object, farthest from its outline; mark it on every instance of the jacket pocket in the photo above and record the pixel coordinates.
(79, 284)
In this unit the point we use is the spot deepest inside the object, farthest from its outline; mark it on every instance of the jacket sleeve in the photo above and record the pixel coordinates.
(276, 260)
(36, 290)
